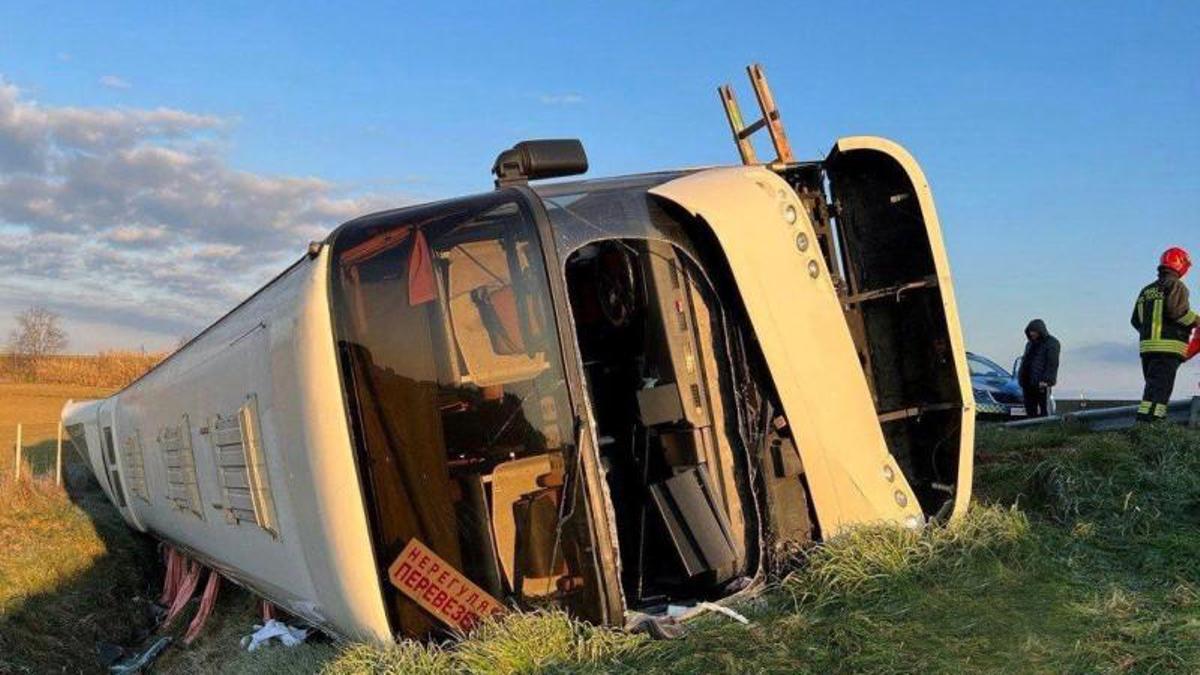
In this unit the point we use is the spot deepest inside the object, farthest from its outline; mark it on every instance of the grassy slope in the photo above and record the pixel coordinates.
(71, 573)
(1096, 569)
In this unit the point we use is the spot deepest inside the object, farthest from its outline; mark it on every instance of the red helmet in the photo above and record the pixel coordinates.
(1176, 259)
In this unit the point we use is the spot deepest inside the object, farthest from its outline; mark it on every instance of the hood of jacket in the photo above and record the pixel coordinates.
(1039, 326)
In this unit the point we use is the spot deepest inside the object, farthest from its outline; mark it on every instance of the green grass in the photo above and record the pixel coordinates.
(1082, 554)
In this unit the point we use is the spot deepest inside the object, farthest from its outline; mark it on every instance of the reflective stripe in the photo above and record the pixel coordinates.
(1156, 325)
(1160, 410)
(1163, 347)
(1144, 408)
(1189, 318)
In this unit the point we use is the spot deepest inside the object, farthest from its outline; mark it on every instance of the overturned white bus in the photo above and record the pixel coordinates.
(608, 396)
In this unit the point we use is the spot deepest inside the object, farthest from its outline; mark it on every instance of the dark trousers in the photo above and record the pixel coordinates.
(1036, 400)
(1159, 370)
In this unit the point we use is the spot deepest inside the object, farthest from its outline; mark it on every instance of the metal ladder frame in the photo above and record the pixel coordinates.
(770, 119)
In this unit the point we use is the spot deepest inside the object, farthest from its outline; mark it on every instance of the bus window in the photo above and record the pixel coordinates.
(110, 462)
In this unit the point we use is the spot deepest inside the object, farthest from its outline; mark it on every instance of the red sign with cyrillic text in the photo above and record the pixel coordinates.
(441, 589)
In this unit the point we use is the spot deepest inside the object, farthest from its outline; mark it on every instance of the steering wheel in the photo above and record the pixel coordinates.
(616, 284)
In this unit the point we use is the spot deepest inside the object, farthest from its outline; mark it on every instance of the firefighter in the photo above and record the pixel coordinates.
(1164, 322)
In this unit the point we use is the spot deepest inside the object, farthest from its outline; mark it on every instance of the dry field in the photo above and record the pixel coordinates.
(32, 394)
(107, 369)
(36, 407)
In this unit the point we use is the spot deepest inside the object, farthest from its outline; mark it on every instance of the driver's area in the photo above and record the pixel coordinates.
(651, 341)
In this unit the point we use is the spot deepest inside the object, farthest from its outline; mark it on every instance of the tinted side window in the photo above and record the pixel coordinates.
(110, 460)
(78, 438)
(110, 455)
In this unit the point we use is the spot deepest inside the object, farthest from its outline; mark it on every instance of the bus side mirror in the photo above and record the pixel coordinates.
(533, 160)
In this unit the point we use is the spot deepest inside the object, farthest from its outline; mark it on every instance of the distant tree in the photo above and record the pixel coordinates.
(38, 333)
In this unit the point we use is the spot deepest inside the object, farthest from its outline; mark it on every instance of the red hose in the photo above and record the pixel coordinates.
(207, 600)
(172, 576)
(187, 586)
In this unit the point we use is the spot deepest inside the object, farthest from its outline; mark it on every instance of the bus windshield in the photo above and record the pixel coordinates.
(458, 403)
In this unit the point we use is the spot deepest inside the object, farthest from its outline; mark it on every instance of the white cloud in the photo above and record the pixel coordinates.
(136, 214)
(128, 234)
(569, 98)
(114, 82)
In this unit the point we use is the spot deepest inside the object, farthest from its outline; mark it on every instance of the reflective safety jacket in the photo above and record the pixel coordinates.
(1162, 316)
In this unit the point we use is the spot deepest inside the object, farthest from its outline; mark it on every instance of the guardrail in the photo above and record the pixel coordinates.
(1185, 412)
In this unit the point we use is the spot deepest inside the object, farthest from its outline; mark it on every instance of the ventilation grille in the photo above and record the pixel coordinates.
(135, 466)
(242, 467)
(175, 443)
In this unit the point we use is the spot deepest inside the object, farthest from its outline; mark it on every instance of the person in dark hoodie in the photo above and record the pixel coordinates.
(1164, 322)
(1039, 368)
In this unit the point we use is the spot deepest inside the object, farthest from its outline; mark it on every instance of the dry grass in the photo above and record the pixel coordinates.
(106, 369)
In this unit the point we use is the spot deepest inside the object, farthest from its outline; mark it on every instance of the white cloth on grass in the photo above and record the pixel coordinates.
(289, 636)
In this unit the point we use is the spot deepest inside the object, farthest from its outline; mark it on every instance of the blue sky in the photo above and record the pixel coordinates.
(1061, 142)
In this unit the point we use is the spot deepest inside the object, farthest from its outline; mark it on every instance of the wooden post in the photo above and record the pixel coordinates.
(58, 457)
(17, 469)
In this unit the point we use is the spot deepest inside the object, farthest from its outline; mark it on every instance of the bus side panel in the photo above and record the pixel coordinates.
(270, 362)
